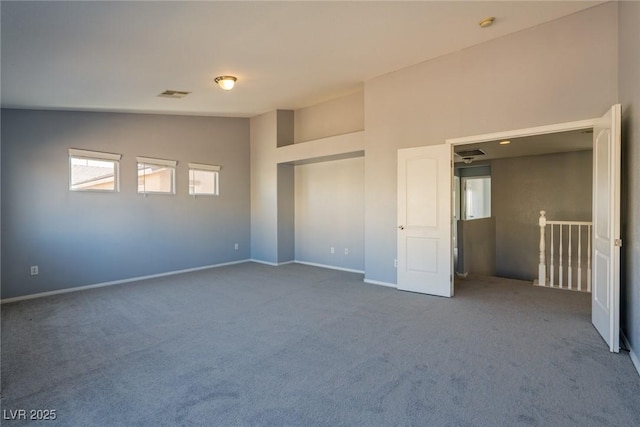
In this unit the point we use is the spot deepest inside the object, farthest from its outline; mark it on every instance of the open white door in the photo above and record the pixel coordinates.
(424, 218)
(605, 294)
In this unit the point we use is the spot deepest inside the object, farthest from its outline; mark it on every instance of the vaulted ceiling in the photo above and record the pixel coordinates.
(118, 56)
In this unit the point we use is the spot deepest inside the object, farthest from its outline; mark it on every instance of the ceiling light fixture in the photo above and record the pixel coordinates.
(487, 22)
(226, 82)
(505, 142)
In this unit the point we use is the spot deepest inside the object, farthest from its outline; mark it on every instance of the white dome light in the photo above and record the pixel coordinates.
(226, 82)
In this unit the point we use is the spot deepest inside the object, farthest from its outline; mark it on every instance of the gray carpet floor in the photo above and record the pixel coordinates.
(252, 345)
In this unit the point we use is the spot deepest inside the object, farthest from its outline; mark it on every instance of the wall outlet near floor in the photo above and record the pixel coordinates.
(235, 246)
(332, 250)
(346, 251)
(395, 263)
(34, 270)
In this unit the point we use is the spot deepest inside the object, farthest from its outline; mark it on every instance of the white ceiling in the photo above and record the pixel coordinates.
(118, 56)
(561, 142)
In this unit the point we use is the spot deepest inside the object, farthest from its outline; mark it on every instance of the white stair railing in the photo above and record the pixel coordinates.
(570, 234)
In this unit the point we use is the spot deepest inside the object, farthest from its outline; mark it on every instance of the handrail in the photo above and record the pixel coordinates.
(568, 222)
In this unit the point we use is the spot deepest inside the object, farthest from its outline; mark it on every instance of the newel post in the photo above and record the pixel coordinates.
(542, 267)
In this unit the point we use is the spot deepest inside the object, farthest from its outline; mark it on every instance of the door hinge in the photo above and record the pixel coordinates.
(618, 243)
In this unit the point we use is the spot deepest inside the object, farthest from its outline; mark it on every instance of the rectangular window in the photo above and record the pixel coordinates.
(476, 200)
(203, 179)
(93, 171)
(156, 176)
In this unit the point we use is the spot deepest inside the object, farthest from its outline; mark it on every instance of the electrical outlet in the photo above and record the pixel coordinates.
(346, 251)
(395, 263)
(34, 270)
(332, 250)
(235, 246)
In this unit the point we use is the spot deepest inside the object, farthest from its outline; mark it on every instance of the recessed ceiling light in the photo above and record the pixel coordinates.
(505, 142)
(487, 22)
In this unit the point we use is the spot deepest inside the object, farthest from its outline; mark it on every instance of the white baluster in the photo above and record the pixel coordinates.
(569, 265)
(552, 278)
(560, 260)
(589, 260)
(579, 257)
(542, 273)
(566, 256)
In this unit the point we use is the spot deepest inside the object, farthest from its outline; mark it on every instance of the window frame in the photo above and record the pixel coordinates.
(156, 162)
(463, 197)
(205, 168)
(76, 153)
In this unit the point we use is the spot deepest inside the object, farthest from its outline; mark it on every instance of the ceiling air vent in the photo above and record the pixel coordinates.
(471, 153)
(176, 94)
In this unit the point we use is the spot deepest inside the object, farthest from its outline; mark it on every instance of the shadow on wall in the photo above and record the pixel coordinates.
(477, 246)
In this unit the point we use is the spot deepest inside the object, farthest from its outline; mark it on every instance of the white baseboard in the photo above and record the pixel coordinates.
(188, 270)
(634, 357)
(118, 282)
(273, 264)
(376, 282)
(313, 264)
(331, 267)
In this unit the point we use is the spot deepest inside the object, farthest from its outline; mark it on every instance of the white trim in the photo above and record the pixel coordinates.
(634, 357)
(215, 175)
(163, 162)
(273, 264)
(118, 282)
(142, 173)
(376, 282)
(517, 133)
(331, 267)
(313, 264)
(203, 167)
(95, 155)
(75, 152)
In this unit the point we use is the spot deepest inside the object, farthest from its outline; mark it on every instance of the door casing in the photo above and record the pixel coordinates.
(518, 133)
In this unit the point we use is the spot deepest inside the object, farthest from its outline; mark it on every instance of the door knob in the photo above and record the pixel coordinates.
(401, 227)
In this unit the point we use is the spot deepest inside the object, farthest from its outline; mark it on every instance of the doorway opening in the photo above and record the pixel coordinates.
(605, 233)
(499, 199)
(425, 204)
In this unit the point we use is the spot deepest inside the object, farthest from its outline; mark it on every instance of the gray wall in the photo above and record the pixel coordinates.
(335, 117)
(272, 187)
(264, 188)
(272, 178)
(629, 92)
(540, 76)
(81, 238)
(477, 246)
(521, 187)
(286, 213)
(329, 205)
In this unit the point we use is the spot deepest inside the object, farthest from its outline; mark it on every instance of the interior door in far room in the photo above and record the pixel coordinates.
(424, 220)
(605, 295)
